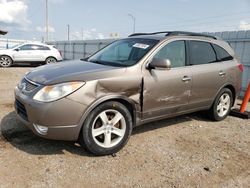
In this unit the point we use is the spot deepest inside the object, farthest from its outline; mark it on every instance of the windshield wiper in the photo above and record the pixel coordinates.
(97, 62)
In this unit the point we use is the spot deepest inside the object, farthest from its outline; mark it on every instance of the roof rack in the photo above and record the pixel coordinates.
(174, 33)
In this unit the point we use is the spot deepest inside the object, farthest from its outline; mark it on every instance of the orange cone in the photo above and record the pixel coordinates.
(245, 100)
(242, 113)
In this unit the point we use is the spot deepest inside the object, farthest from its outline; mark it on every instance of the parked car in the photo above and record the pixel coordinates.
(136, 80)
(29, 53)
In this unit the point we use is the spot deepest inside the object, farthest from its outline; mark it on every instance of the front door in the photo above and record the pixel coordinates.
(23, 53)
(166, 91)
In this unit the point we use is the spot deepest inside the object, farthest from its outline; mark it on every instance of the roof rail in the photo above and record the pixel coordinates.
(154, 33)
(173, 33)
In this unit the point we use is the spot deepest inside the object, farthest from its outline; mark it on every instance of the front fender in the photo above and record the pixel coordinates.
(101, 100)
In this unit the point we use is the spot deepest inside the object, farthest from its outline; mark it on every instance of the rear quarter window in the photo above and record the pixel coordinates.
(222, 54)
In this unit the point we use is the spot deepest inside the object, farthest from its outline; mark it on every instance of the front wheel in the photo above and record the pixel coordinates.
(222, 105)
(106, 129)
(5, 61)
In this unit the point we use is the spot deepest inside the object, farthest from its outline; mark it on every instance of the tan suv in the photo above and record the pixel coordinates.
(143, 78)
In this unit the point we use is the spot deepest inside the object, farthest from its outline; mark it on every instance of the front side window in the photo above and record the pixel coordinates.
(201, 53)
(26, 47)
(175, 52)
(124, 52)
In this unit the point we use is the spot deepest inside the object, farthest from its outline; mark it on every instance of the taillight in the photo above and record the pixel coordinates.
(60, 52)
(241, 67)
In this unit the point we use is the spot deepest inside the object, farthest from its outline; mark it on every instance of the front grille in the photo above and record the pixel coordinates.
(29, 86)
(26, 85)
(21, 110)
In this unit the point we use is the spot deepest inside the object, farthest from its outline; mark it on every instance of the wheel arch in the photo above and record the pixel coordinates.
(52, 57)
(7, 56)
(12, 60)
(231, 88)
(128, 103)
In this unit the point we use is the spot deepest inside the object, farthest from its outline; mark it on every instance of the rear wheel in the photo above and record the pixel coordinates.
(107, 128)
(50, 60)
(222, 105)
(5, 61)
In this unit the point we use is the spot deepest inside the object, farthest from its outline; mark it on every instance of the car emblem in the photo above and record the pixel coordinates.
(22, 86)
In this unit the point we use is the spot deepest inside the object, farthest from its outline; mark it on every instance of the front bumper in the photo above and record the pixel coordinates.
(59, 120)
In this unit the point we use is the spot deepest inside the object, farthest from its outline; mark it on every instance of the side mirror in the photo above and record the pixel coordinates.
(159, 63)
(17, 49)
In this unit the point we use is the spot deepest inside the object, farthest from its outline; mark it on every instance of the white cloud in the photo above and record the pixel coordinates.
(244, 25)
(86, 35)
(42, 29)
(13, 13)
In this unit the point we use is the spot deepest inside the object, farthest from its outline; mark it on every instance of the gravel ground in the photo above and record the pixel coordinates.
(186, 151)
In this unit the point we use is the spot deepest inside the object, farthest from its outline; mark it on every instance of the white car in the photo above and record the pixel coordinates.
(29, 53)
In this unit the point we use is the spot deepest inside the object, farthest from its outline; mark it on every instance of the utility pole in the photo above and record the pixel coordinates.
(47, 21)
(133, 18)
(68, 26)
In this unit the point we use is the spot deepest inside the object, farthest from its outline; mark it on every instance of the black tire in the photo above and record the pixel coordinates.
(90, 142)
(50, 60)
(5, 61)
(213, 112)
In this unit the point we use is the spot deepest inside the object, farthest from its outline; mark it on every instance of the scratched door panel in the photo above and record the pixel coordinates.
(165, 92)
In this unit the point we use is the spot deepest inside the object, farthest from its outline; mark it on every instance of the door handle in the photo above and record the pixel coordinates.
(186, 78)
(222, 73)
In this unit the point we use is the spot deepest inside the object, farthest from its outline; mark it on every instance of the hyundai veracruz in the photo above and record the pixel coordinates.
(145, 77)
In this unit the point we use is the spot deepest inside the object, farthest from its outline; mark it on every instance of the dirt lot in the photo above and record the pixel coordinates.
(187, 151)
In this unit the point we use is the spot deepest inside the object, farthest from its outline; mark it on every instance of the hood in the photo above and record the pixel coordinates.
(67, 71)
(5, 51)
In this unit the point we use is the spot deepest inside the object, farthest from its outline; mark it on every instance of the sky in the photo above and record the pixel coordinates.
(99, 19)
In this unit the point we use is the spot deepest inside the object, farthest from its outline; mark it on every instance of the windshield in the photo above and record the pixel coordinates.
(124, 52)
(15, 46)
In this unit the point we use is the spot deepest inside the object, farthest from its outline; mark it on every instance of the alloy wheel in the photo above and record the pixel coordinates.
(223, 105)
(50, 60)
(108, 128)
(5, 61)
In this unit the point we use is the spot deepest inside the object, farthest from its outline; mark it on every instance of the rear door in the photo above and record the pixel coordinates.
(40, 52)
(207, 73)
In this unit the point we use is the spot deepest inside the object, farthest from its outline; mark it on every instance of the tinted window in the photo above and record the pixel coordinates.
(39, 47)
(33, 47)
(175, 52)
(26, 47)
(44, 48)
(222, 54)
(201, 53)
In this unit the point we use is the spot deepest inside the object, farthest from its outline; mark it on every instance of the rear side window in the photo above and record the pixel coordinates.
(175, 52)
(201, 53)
(40, 47)
(222, 55)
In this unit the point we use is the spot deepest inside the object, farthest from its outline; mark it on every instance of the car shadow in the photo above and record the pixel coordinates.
(199, 116)
(19, 136)
(14, 132)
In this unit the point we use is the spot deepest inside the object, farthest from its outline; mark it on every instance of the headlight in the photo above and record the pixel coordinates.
(55, 92)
